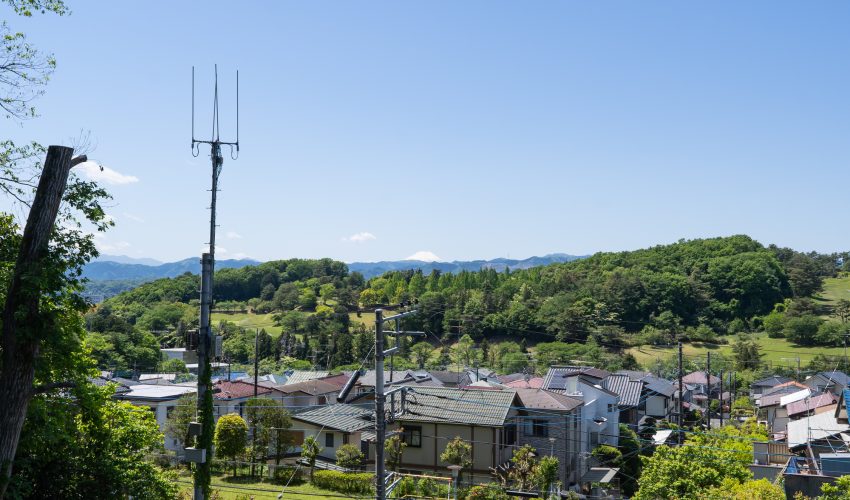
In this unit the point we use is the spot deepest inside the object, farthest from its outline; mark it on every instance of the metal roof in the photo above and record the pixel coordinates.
(547, 400)
(342, 417)
(814, 428)
(771, 381)
(556, 377)
(149, 392)
(808, 404)
(629, 390)
(599, 475)
(295, 376)
(462, 406)
(699, 378)
(777, 393)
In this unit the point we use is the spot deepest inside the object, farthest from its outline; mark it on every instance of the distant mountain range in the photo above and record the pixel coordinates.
(372, 269)
(112, 274)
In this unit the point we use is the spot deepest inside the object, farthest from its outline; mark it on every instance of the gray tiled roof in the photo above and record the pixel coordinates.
(342, 417)
(296, 376)
(451, 378)
(629, 390)
(540, 399)
(463, 406)
(556, 377)
(771, 381)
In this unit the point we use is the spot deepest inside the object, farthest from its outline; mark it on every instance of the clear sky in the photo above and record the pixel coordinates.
(374, 130)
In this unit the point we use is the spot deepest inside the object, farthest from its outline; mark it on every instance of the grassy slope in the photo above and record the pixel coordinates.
(231, 488)
(834, 289)
(248, 320)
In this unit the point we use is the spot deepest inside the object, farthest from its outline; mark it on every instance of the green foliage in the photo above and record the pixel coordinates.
(288, 475)
(177, 422)
(351, 483)
(231, 437)
(457, 452)
(629, 463)
(747, 354)
(608, 456)
(270, 422)
(349, 456)
(802, 330)
(546, 473)
(88, 446)
(524, 464)
(394, 451)
(704, 462)
(487, 492)
(173, 366)
(310, 449)
(839, 490)
(748, 490)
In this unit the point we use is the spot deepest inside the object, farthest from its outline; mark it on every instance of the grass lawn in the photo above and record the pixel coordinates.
(774, 351)
(231, 488)
(834, 289)
(248, 320)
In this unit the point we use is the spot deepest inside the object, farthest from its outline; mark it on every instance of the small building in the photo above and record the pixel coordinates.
(185, 355)
(433, 416)
(334, 425)
(834, 382)
(600, 412)
(551, 423)
(230, 397)
(161, 400)
(759, 387)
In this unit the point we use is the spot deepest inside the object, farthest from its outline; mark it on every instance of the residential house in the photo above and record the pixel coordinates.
(834, 382)
(773, 407)
(816, 403)
(433, 416)
(230, 397)
(525, 383)
(334, 425)
(629, 396)
(600, 413)
(181, 353)
(704, 386)
(451, 379)
(759, 387)
(820, 433)
(843, 408)
(296, 376)
(307, 394)
(161, 400)
(551, 423)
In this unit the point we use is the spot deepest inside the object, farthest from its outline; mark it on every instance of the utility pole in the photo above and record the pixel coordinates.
(381, 395)
(380, 421)
(708, 385)
(681, 405)
(205, 342)
(721, 398)
(254, 423)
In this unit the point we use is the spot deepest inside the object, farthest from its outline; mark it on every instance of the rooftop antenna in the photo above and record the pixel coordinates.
(205, 341)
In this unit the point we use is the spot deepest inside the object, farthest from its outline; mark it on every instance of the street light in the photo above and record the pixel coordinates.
(455, 473)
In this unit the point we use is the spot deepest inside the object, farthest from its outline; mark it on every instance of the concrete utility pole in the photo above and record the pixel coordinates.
(205, 341)
(708, 385)
(721, 398)
(681, 403)
(381, 396)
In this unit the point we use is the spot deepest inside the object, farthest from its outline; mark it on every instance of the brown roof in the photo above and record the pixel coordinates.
(235, 390)
(532, 383)
(699, 378)
(547, 400)
(810, 403)
(311, 387)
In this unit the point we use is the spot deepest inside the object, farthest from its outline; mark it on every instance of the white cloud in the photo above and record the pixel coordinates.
(424, 255)
(133, 217)
(361, 237)
(233, 235)
(110, 247)
(97, 172)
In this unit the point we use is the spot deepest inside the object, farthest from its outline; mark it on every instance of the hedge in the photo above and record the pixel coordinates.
(345, 482)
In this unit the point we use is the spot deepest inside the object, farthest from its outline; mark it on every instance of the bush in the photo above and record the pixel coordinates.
(349, 456)
(344, 482)
(288, 475)
(489, 492)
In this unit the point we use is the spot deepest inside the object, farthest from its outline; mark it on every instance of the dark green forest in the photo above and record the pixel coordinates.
(699, 290)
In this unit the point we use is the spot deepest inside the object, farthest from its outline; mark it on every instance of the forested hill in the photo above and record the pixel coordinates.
(709, 282)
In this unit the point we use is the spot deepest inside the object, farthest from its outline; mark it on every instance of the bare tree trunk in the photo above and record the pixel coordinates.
(21, 336)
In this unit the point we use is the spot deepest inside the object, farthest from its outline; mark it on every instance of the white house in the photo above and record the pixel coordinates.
(600, 413)
(161, 399)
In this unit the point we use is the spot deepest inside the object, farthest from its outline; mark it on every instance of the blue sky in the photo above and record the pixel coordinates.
(465, 129)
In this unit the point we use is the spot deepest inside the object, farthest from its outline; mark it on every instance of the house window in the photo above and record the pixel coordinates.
(537, 427)
(412, 436)
(509, 432)
(329, 440)
(610, 408)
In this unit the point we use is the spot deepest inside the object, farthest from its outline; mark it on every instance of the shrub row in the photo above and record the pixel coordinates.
(358, 482)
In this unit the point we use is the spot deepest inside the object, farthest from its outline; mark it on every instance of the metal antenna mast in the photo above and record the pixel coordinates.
(205, 342)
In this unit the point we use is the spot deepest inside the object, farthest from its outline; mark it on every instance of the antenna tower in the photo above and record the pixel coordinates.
(205, 341)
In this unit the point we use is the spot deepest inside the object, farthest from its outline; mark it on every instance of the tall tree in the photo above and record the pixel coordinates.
(231, 437)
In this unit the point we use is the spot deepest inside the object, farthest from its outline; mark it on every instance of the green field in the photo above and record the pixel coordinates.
(249, 320)
(232, 488)
(834, 289)
(776, 351)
